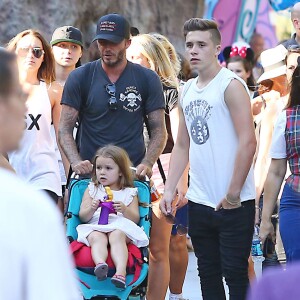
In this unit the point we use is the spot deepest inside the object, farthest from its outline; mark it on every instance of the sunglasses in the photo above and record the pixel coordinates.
(181, 229)
(112, 102)
(36, 51)
(294, 48)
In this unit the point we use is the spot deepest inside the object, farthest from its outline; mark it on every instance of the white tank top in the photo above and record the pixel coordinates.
(35, 161)
(213, 141)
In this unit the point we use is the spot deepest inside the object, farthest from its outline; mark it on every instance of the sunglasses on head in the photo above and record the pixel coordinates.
(294, 48)
(112, 102)
(36, 51)
(181, 229)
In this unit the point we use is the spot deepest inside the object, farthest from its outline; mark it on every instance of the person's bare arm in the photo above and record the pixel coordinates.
(67, 122)
(238, 104)
(263, 160)
(178, 162)
(157, 142)
(182, 185)
(88, 207)
(272, 187)
(131, 211)
(55, 94)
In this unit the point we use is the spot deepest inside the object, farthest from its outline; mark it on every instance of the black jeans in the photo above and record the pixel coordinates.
(222, 244)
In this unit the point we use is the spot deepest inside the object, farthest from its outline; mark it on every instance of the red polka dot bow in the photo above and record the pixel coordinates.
(235, 51)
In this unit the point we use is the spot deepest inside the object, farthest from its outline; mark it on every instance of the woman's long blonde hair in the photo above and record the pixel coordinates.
(170, 50)
(46, 71)
(158, 58)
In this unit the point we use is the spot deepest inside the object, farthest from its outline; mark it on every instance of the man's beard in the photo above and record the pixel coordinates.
(119, 58)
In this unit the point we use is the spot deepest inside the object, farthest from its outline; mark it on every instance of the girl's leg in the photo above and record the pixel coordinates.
(178, 263)
(98, 242)
(159, 269)
(118, 250)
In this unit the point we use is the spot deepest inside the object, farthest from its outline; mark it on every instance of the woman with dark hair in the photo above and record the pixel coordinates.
(285, 149)
(35, 161)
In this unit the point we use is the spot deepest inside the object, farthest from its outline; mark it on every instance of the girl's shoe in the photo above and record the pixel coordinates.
(119, 281)
(101, 270)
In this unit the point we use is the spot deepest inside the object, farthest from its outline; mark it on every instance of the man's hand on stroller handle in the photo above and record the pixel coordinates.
(144, 169)
(82, 167)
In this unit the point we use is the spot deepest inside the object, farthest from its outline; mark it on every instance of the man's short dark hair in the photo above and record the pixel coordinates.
(195, 24)
(6, 72)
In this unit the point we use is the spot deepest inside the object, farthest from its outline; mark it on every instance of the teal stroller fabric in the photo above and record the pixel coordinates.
(92, 288)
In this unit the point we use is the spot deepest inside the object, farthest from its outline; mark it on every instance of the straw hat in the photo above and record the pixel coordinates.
(273, 62)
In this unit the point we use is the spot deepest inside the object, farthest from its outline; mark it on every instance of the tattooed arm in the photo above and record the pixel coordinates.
(157, 142)
(67, 122)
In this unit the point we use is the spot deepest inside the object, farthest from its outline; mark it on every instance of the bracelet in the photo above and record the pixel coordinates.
(263, 100)
(257, 207)
(232, 202)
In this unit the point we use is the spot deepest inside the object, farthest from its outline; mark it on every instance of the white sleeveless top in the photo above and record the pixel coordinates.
(35, 161)
(213, 141)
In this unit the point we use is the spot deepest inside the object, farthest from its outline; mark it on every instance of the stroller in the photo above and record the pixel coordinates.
(92, 288)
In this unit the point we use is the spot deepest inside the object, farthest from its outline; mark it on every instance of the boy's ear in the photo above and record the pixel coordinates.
(218, 50)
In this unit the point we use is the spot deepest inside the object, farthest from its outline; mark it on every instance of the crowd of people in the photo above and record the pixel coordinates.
(217, 141)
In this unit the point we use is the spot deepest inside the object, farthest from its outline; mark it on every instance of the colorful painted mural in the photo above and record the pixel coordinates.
(238, 19)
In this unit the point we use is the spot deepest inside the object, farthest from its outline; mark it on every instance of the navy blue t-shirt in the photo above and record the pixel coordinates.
(138, 92)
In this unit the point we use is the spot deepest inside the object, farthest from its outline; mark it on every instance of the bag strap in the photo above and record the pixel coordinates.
(134, 255)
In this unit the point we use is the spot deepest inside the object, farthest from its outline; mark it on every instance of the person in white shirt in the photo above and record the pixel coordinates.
(216, 135)
(34, 258)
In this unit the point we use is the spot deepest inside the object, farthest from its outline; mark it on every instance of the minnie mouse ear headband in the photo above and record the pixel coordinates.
(238, 50)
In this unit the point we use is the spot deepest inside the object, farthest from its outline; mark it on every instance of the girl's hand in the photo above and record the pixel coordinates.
(95, 204)
(119, 206)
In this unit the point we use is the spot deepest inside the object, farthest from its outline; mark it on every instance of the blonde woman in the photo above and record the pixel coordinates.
(147, 51)
(35, 161)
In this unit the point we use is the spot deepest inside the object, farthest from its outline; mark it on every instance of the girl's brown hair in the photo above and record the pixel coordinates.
(46, 71)
(121, 158)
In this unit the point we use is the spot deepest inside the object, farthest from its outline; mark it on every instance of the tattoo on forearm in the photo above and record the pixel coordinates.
(65, 134)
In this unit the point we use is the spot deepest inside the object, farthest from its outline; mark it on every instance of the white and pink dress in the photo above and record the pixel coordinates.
(115, 221)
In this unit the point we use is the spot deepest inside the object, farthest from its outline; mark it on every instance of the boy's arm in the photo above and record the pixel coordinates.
(238, 104)
(178, 162)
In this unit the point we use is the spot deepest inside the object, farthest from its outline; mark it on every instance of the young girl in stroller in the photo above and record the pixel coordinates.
(111, 168)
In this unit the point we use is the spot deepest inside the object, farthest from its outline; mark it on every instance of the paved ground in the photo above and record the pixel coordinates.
(191, 287)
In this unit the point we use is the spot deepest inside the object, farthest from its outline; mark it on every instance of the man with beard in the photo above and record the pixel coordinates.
(101, 94)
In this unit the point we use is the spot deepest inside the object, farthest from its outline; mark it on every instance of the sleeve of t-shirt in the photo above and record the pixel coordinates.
(155, 97)
(278, 146)
(73, 89)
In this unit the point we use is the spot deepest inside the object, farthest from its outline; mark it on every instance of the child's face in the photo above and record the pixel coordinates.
(238, 68)
(108, 172)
